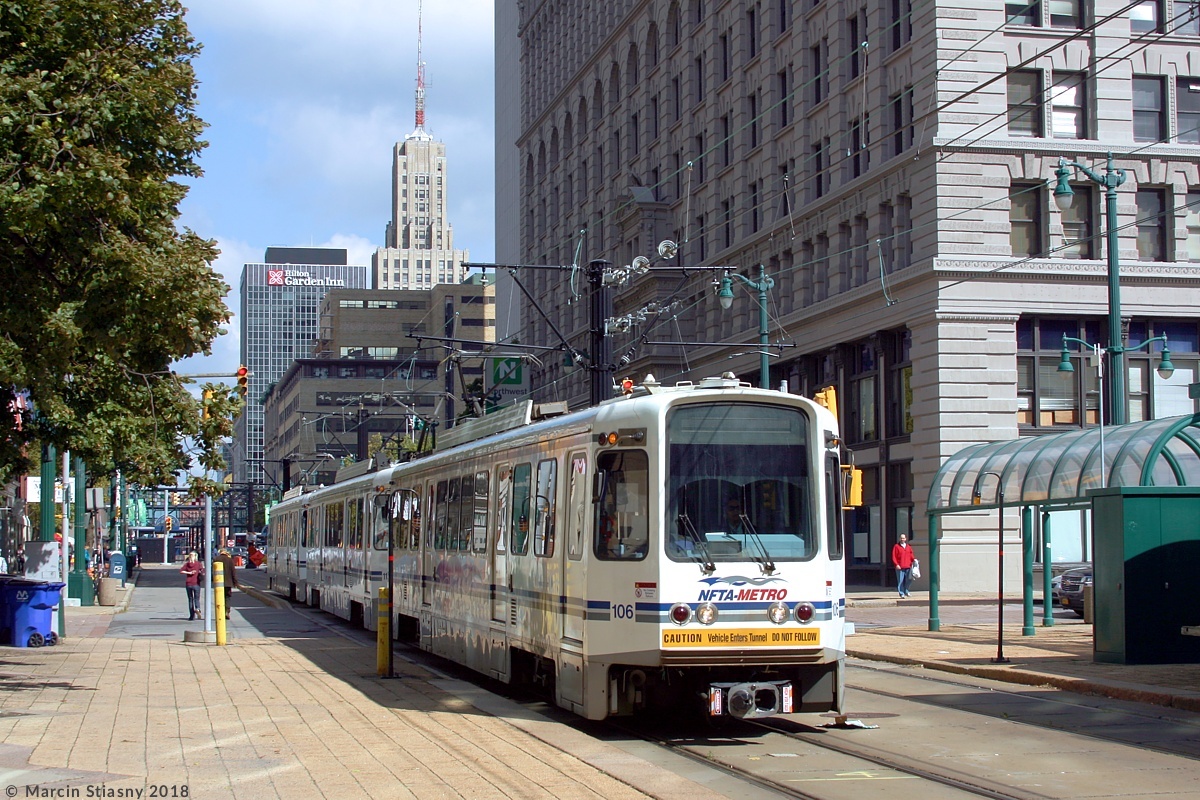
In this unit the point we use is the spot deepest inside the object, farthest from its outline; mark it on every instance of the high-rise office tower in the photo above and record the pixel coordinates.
(279, 319)
(418, 249)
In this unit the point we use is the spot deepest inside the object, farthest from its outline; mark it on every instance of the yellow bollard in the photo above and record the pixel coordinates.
(383, 640)
(219, 597)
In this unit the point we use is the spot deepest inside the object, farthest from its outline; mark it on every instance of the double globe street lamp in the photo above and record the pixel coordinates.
(762, 286)
(1116, 349)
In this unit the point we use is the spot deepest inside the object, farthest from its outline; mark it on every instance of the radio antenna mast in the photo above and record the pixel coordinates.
(420, 75)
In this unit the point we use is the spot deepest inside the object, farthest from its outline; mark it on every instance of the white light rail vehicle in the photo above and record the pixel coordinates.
(670, 549)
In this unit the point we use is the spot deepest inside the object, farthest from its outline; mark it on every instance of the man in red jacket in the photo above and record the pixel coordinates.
(902, 559)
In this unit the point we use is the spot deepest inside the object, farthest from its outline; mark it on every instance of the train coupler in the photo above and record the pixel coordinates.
(751, 700)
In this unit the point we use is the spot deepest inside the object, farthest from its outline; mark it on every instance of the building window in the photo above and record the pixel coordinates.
(1047, 398)
(1187, 119)
(1191, 217)
(723, 56)
(902, 132)
(726, 146)
(1025, 218)
(1151, 225)
(751, 33)
(1145, 17)
(1149, 110)
(1020, 12)
(899, 393)
(752, 114)
(860, 156)
(1187, 17)
(1068, 106)
(1025, 103)
(816, 57)
(1078, 228)
(901, 23)
(818, 169)
(862, 417)
(727, 222)
(783, 87)
(854, 63)
(1150, 395)
(754, 216)
(1065, 14)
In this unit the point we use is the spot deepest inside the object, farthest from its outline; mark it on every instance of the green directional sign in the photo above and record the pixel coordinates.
(507, 372)
(507, 380)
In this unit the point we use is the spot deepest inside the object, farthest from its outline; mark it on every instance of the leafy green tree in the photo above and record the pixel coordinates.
(103, 290)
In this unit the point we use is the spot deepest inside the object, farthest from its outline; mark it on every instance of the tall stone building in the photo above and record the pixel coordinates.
(891, 165)
(418, 249)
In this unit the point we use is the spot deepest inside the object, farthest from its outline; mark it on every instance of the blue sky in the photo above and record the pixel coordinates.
(304, 99)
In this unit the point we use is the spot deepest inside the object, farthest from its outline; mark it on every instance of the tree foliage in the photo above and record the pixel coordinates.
(103, 291)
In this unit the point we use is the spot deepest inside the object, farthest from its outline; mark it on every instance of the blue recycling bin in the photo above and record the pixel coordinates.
(26, 612)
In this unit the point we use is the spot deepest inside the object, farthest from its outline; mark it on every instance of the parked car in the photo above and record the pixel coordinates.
(1070, 589)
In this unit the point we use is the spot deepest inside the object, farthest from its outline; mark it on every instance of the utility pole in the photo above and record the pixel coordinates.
(601, 309)
(361, 430)
(249, 505)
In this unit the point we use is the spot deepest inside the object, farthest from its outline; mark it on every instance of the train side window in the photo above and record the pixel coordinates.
(334, 524)
(410, 519)
(466, 512)
(480, 518)
(520, 508)
(547, 508)
(430, 514)
(577, 505)
(503, 503)
(440, 515)
(622, 515)
(354, 524)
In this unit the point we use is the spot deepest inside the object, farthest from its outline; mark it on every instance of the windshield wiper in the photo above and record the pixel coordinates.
(705, 559)
(765, 563)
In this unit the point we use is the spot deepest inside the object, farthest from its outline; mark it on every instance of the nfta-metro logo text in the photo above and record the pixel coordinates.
(275, 277)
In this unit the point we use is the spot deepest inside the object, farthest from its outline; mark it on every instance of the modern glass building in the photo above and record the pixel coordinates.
(279, 317)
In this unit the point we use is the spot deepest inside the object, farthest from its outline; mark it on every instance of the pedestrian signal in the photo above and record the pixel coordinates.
(243, 380)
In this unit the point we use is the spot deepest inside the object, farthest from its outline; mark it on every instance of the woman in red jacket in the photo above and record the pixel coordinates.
(902, 559)
(193, 573)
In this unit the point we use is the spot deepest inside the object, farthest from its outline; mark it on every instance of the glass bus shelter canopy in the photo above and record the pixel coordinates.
(1060, 469)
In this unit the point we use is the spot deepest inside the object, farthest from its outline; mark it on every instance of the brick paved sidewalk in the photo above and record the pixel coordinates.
(128, 705)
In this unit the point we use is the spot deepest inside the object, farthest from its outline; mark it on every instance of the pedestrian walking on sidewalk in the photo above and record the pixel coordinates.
(226, 561)
(193, 573)
(902, 560)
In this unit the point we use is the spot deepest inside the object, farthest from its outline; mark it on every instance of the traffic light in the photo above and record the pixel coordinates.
(168, 524)
(243, 380)
(207, 402)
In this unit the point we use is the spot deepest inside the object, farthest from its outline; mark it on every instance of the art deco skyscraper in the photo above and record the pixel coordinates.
(418, 249)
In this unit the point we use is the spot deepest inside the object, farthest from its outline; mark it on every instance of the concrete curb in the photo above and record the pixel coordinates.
(266, 598)
(1137, 694)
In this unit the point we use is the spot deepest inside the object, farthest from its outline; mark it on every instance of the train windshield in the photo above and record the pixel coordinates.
(740, 484)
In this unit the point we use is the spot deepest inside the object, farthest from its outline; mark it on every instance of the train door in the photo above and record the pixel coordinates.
(499, 550)
(574, 574)
(427, 553)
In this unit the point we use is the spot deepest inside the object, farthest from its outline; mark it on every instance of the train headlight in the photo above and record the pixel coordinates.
(804, 612)
(706, 613)
(681, 613)
(777, 612)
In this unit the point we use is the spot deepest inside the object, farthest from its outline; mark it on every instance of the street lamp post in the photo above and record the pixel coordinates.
(1063, 195)
(975, 499)
(762, 286)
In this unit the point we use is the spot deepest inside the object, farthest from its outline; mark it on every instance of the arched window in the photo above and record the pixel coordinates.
(631, 68)
(568, 134)
(597, 104)
(553, 148)
(614, 88)
(674, 32)
(652, 46)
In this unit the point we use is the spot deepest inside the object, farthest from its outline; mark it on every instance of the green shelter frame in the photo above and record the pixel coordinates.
(1058, 471)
